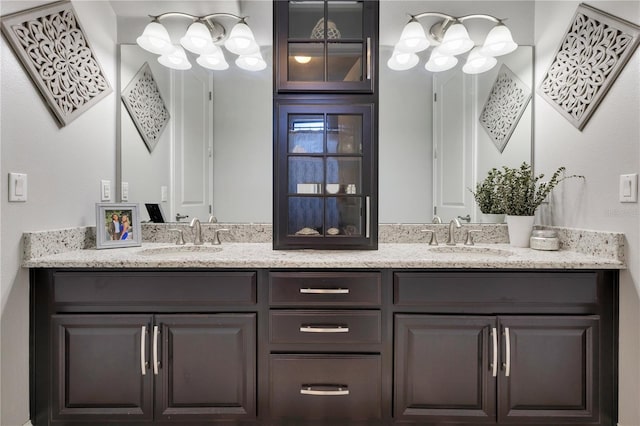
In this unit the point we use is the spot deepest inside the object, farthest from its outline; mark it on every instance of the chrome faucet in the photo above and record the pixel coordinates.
(197, 231)
(451, 241)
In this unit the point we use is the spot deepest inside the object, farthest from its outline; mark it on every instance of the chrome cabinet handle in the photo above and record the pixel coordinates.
(507, 340)
(494, 362)
(324, 290)
(310, 328)
(155, 349)
(324, 390)
(143, 350)
(368, 58)
(368, 217)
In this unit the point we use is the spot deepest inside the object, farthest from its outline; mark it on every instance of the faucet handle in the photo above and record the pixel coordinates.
(213, 219)
(216, 236)
(433, 241)
(470, 234)
(180, 241)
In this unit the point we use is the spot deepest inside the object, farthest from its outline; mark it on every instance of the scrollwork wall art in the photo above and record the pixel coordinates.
(505, 105)
(144, 103)
(54, 50)
(592, 53)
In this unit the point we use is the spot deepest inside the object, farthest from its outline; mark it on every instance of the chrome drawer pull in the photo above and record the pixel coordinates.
(324, 329)
(494, 363)
(324, 290)
(143, 351)
(156, 363)
(324, 390)
(507, 340)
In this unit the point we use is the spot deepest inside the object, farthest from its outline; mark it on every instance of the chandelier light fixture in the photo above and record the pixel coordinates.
(451, 39)
(203, 37)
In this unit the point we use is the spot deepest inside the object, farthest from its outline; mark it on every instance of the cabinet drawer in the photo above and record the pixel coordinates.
(537, 288)
(155, 288)
(324, 289)
(349, 327)
(332, 388)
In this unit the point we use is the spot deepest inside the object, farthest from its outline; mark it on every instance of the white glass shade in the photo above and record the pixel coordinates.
(456, 40)
(401, 61)
(252, 62)
(302, 59)
(155, 39)
(499, 41)
(214, 60)
(176, 59)
(198, 39)
(440, 62)
(241, 40)
(413, 38)
(477, 62)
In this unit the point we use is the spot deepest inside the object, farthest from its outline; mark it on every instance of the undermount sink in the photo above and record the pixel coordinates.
(476, 250)
(180, 250)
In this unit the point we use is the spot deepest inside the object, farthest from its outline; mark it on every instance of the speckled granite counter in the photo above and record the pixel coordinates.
(261, 255)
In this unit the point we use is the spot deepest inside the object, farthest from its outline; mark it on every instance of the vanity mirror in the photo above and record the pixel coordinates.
(430, 150)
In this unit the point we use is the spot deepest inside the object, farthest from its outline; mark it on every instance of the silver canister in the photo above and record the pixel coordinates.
(544, 239)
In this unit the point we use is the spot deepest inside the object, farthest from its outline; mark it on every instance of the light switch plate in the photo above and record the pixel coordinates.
(124, 191)
(17, 187)
(105, 190)
(629, 188)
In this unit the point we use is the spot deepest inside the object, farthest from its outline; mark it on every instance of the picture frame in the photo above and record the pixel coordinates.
(126, 233)
(55, 52)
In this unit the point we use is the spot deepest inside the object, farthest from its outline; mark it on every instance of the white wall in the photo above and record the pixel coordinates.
(64, 166)
(608, 146)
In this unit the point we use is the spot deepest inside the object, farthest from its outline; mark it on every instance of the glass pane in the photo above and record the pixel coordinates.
(306, 133)
(346, 172)
(304, 16)
(345, 62)
(306, 62)
(344, 134)
(345, 20)
(305, 216)
(344, 216)
(306, 175)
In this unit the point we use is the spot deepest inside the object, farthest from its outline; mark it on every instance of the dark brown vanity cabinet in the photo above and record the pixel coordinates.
(113, 366)
(326, 46)
(507, 348)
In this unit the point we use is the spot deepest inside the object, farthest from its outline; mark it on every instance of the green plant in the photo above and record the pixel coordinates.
(486, 193)
(520, 190)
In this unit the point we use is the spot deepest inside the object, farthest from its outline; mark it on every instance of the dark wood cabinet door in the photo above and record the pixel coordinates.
(206, 367)
(550, 370)
(100, 368)
(444, 368)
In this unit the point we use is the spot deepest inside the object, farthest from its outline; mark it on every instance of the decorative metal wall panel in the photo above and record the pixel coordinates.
(53, 48)
(144, 103)
(593, 51)
(505, 105)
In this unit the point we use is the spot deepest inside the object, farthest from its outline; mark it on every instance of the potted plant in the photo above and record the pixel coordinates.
(488, 198)
(521, 193)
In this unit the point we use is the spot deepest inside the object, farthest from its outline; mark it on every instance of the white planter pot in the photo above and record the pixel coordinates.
(520, 228)
(491, 218)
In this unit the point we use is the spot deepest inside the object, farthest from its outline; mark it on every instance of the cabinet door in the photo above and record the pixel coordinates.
(206, 367)
(100, 368)
(325, 176)
(444, 367)
(550, 370)
(326, 46)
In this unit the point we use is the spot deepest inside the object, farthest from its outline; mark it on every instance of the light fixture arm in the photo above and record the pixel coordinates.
(218, 31)
(439, 28)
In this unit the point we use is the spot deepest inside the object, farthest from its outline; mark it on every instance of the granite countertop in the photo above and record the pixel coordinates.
(262, 255)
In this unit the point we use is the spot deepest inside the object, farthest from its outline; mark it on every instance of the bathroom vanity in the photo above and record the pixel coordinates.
(402, 335)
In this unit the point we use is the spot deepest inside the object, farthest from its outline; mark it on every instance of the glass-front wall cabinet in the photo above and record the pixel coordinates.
(326, 45)
(325, 176)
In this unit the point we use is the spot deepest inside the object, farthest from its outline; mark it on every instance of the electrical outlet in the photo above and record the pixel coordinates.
(124, 191)
(105, 190)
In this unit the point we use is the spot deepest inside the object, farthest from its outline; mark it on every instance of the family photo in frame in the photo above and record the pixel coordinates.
(117, 225)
